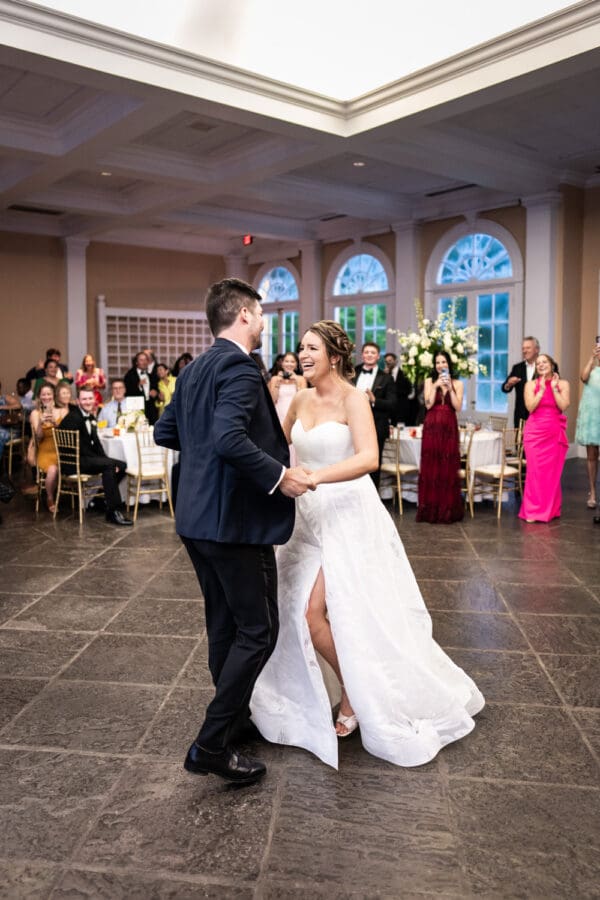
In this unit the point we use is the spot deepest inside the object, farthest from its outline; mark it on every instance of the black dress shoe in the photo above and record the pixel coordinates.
(117, 518)
(228, 764)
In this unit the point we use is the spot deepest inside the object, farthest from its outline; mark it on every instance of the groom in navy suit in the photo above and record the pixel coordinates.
(234, 501)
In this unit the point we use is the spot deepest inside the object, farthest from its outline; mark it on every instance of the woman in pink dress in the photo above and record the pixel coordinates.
(284, 386)
(545, 442)
(92, 377)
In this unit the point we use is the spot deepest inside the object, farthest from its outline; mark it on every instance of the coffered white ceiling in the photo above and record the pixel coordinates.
(106, 137)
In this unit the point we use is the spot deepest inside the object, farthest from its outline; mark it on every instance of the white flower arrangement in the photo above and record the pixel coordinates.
(419, 348)
(132, 420)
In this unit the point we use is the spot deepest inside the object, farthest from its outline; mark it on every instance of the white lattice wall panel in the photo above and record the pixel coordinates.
(123, 332)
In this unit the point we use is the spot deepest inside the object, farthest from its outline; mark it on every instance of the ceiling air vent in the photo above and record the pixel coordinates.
(202, 125)
(17, 207)
(334, 216)
(463, 187)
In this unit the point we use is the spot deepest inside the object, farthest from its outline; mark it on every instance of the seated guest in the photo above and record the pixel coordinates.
(64, 397)
(116, 405)
(139, 382)
(25, 395)
(38, 371)
(92, 377)
(52, 375)
(180, 363)
(166, 386)
(8, 403)
(92, 458)
(44, 419)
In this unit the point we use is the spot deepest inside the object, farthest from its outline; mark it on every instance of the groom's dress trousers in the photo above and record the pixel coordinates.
(229, 514)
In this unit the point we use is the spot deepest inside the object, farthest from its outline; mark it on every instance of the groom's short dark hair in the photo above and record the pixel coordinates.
(225, 299)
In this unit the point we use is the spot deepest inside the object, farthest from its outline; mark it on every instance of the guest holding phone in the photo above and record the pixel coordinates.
(588, 419)
(284, 385)
(440, 497)
(44, 419)
(545, 441)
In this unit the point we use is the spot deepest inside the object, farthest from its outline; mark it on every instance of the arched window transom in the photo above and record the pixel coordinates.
(475, 257)
(278, 285)
(361, 274)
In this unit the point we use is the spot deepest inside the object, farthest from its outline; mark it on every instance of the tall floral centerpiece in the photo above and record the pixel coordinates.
(418, 348)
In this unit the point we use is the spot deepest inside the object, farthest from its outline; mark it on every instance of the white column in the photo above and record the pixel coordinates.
(76, 278)
(407, 275)
(311, 294)
(236, 266)
(541, 255)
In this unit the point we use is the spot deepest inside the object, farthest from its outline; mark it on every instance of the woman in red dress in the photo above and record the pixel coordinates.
(440, 497)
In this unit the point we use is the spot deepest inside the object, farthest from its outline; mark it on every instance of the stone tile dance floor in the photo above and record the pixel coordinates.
(103, 680)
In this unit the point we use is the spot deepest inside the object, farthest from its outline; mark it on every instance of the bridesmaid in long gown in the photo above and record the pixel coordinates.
(440, 498)
(348, 596)
(545, 442)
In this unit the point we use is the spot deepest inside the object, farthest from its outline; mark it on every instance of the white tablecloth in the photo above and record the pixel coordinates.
(486, 450)
(124, 447)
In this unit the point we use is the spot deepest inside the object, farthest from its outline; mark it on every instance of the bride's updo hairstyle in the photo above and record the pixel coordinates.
(337, 343)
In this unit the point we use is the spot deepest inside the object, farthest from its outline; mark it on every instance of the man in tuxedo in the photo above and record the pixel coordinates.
(92, 458)
(381, 391)
(141, 382)
(404, 389)
(234, 501)
(521, 373)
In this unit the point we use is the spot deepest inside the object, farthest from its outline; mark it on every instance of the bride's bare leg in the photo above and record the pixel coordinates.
(322, 638)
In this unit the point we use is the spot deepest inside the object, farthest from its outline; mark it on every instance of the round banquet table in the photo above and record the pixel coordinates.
(486, 450)
(123, 446)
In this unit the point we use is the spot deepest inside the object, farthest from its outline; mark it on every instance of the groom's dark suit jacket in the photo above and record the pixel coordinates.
(232, 447)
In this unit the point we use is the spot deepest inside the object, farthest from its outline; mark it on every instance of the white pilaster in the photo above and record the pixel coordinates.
(311, 301)
(76, 289)
(236, 266)
(408, 287)
(541, 254)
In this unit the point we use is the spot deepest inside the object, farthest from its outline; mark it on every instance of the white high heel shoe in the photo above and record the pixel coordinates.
(350, 723)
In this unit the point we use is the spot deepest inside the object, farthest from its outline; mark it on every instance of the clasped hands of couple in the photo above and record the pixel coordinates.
(296, 481)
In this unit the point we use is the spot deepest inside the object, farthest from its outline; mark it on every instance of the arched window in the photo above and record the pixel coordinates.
(475, 257)
(358, 292)
(278, 286)
(361, 274)
(477, 273)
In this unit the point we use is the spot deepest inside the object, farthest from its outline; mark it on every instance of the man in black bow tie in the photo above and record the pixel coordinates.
(92, 458)
(381, 392)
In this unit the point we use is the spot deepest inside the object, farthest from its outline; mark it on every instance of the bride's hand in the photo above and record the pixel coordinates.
(312, 477)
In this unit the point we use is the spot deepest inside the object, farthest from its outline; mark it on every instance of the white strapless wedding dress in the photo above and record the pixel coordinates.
(409, 697)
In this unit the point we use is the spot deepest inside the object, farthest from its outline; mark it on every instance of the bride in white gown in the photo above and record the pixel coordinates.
(347, 595)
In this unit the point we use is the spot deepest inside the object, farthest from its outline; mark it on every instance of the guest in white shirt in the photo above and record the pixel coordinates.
(116, 405)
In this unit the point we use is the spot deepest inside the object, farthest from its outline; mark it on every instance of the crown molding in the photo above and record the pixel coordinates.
(234, 86)
(568, 33)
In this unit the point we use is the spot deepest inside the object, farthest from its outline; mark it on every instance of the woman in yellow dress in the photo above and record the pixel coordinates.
(44, 420)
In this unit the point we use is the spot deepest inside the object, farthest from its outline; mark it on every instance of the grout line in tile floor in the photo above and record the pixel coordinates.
(539, 658)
